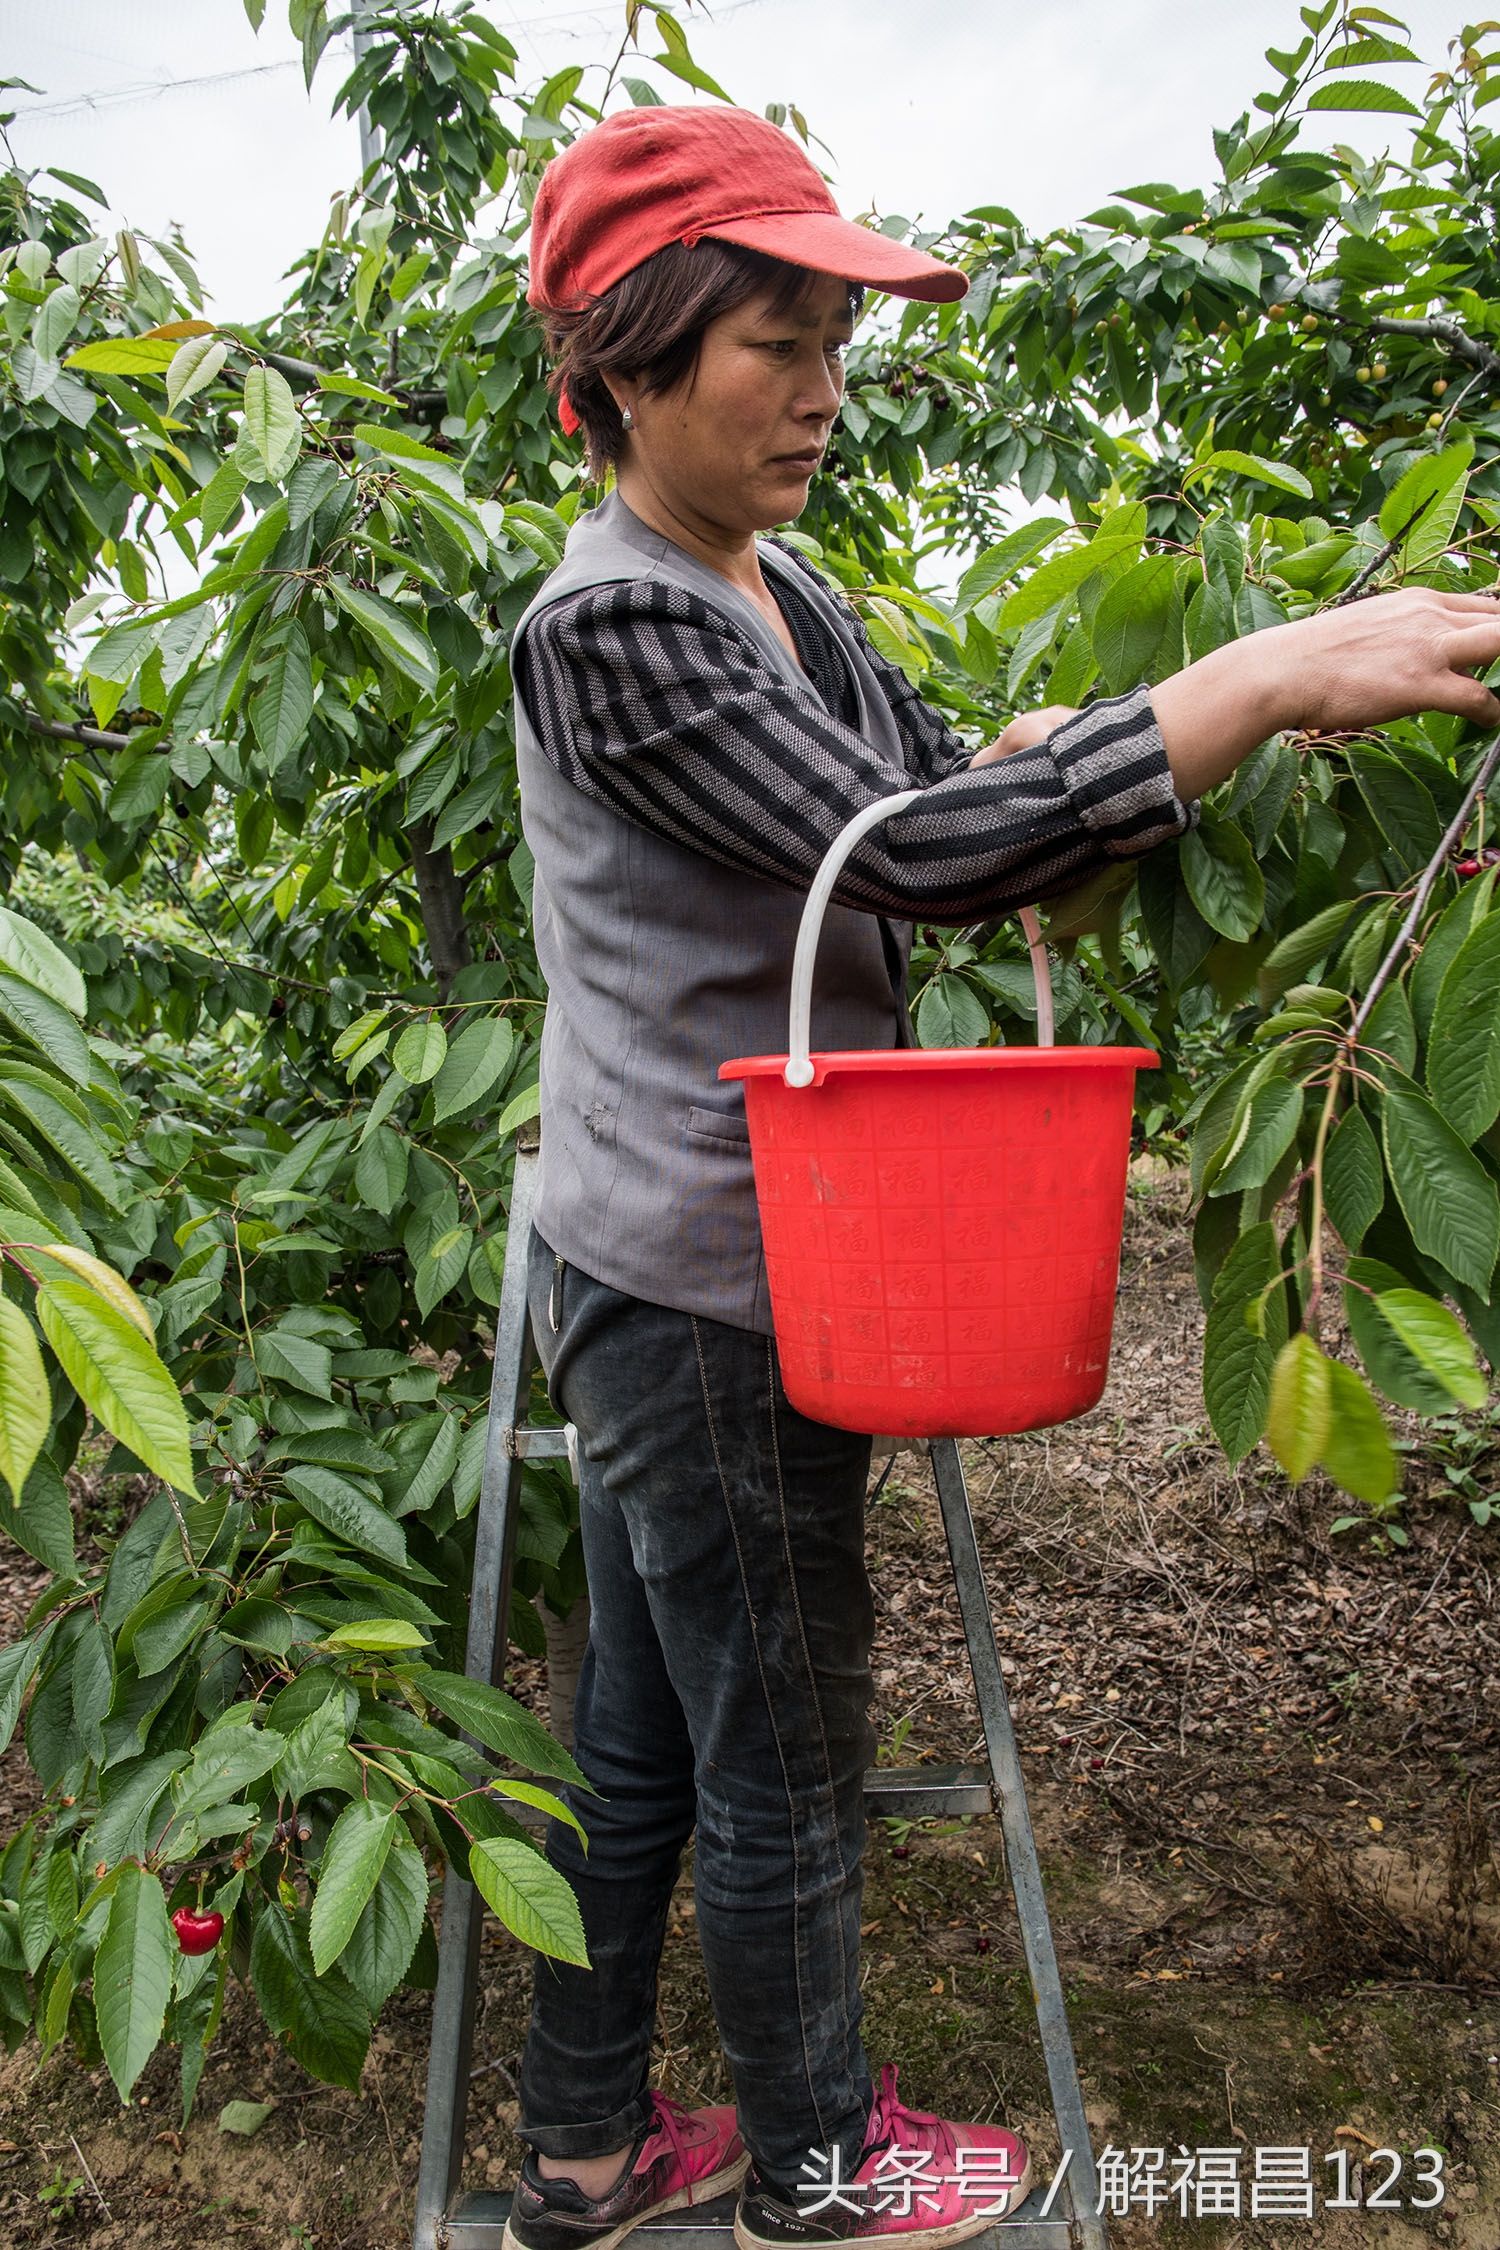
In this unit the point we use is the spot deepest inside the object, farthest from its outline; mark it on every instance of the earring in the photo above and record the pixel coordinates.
(627, 419)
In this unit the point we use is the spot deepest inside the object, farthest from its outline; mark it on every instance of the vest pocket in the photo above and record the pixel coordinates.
(717, 1125)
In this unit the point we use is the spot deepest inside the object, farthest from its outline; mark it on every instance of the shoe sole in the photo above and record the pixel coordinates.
(899, 2238)
(719, 2183)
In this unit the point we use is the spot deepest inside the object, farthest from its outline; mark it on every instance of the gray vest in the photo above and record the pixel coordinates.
(662, 963)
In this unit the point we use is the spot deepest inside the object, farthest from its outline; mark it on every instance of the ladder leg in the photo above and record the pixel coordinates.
(446, 2114)
(1020, 1846)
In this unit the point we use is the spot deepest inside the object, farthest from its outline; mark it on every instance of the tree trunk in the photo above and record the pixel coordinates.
(567, 1638)
(442, 899)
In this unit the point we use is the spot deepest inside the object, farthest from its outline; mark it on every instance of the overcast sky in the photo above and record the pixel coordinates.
(181, 113)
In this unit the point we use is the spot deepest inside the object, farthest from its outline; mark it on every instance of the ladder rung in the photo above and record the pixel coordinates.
(915, 1792)
(904, 1792)
(530, 1442)
(477, 2222)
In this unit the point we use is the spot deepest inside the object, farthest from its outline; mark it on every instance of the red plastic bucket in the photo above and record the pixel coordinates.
(942, 1227)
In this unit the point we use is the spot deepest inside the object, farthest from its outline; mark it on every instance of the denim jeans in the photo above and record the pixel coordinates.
(725, 1686)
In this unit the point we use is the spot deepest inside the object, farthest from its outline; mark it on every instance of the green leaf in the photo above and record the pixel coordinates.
(384, 1939)
(350, 1868)
(315, 1754)
(281, 712)
(1297, 1422)
(1401, 1377)
(421, 1050)
(341, 1509)
(1223, 879)
(1435, 1338)
(1353, 1178)
(43, 1524)
(950, 1015)
(30, 954)
(1294, 956)
(93, 1683)
(1441, 941)
(119, 1377)
(474, 1063)
(380, 1170)
(25, 1401)
(497, 1720)
(1238, 1352)
(1448, 1198)
(392, 630)
(49, 1116)
(1436, 484)
(1266, 1132)
(133, 1976)
(991, 568)
(1463, 1048)
(1400, 805)
(530, 1897)
(1361, 93)
(17, 1664)
(521, 1107)
(323, 2018)
(41, 1021)
(285, 1357)
(124, 355)
(219, 499)
(244, 2117)
(272, 423)
(1130, 620)
(1357, 1452)
(193, 367)
(226, 1761)
(377, 1634)
(1253, 465)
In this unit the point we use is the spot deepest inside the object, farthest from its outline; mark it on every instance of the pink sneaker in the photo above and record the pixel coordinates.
(683, 2156)
(920, 2182)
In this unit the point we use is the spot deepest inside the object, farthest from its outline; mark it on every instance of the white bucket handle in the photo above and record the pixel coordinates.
(799, 1068)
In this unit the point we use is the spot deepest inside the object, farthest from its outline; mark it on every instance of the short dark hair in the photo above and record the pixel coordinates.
(650, 325)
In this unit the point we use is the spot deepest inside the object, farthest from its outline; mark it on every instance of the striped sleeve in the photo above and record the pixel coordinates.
(650, 699)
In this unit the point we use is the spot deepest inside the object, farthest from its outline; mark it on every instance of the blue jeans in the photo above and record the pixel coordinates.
(725, 1686)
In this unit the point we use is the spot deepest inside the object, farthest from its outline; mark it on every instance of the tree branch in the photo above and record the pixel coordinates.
(1438, 330)
(94, 737)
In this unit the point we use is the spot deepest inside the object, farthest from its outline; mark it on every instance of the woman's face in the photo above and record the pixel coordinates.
(736, 443)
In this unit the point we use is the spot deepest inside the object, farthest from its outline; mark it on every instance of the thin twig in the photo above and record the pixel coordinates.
(1358, 584)
(93, 2183)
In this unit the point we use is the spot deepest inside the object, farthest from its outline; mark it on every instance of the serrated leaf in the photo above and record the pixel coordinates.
(1448, 1198)
(1435, 484)
(1463, 1047)
(1297, 1418)
(393, 631)
(1267, 1131)
(119, 1377)
(281, 710)
(380, 1170)
(1223, 880)
(1353, 1178)
(421, 1050)
(335, 1504)
(133, 1976)
(950, 1015)
(124, 355)
(30, 954)
(531, 1898)
(1238, 1354)
(244, 2117)
(113, 1287)
(384, 1939)
(1435, 1337)
(272, 423)
(324, 2019)
(350, 1868)
(1253, 465)
(193, 367)
(1357, 1451)
(497, 1720)
(1363, 94)
(25, 1401)
(376, 1634)
(478, 1057)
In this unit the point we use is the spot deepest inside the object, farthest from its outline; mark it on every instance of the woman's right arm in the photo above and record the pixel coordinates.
(1386, 657)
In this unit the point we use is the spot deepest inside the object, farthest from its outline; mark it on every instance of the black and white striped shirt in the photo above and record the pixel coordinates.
(648, 697)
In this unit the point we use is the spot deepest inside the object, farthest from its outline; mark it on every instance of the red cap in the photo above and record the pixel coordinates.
(645, 178)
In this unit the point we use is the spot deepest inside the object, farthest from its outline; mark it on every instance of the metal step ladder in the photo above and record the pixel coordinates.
(1058, 2214)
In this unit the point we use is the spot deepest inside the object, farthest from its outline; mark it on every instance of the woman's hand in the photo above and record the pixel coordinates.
(1024, 733)
(1387, 657)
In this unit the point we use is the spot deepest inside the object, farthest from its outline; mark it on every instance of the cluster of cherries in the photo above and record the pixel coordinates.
(1488, 857)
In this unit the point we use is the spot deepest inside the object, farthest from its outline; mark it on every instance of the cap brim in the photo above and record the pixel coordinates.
(828, 243)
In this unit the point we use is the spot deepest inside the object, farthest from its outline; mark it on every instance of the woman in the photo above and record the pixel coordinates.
(697, 718)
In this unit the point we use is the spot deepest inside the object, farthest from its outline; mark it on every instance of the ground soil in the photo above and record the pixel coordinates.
(1263, 1764)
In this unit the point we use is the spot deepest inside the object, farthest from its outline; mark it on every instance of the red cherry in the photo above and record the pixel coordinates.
(1466, 867)
(197, 1933)
(981, 1944)
(1096, 1764)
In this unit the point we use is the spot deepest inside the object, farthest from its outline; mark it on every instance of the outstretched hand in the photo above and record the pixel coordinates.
(1024, 733)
